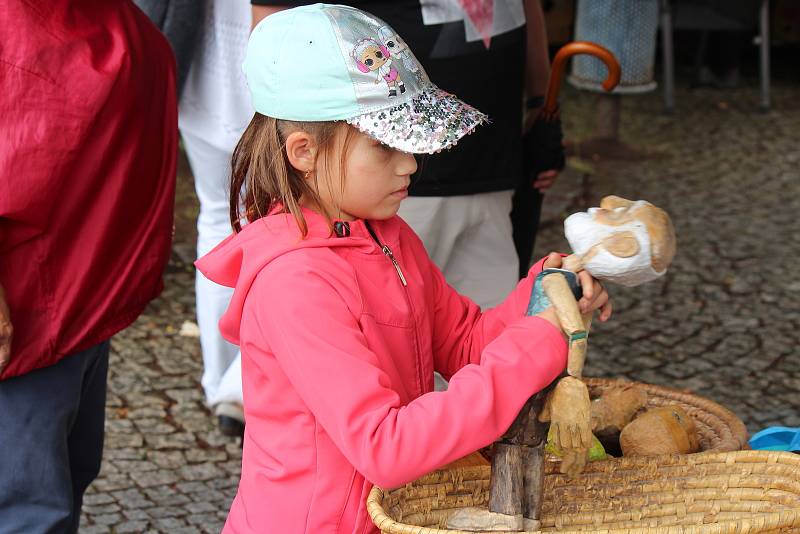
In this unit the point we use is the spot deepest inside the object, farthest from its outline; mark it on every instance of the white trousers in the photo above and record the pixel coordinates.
(222, 367)
(469, 238)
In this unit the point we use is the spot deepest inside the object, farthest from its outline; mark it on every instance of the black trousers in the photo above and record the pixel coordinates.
(526, 210)
(51, 442)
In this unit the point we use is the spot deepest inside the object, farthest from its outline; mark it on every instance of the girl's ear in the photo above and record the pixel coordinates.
(301, 150)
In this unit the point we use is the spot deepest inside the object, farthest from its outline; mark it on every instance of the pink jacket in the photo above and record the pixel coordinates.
(339, 342)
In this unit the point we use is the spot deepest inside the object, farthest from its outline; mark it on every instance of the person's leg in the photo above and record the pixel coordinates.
(211, 169)
(44, 423)
(229, 407)
(483, 264)
(526, 212)
(230, 387)
(434, 224)
(85, 441)
(469, 238)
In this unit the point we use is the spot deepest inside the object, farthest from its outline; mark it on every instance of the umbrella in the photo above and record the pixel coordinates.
(543, 146)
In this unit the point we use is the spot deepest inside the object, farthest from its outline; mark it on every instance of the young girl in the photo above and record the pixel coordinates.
(340, 315)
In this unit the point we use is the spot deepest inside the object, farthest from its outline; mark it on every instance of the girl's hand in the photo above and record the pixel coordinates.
(594, 295)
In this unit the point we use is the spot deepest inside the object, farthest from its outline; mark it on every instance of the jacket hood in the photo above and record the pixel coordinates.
(237, 261)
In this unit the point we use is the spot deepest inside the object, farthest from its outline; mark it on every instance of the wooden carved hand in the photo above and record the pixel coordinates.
(568, 409)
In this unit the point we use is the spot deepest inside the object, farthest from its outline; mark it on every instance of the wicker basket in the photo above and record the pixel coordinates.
(707, 493)
(718, 428)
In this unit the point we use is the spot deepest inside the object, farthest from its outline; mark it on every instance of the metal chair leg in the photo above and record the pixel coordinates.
(668, 56)
(765, 55)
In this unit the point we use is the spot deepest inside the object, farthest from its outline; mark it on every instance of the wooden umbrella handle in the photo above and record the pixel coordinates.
(560, 63)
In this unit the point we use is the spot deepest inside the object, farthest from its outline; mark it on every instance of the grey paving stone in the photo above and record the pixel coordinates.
(131, 527)
(204, 471)
(209, 521)
(111, 482)
(167, 511)
(95, 499)
(176, 440)
(212, 495)
(137, 515)
(116, 440)
(127, 495)
(166, 496)
(107, 519)
(167, 459)
(200, 507)
(99, 509)
(170, 524)
(191, 487)
(149, 479)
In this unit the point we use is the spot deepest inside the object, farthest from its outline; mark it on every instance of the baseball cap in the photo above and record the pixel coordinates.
(326, 62)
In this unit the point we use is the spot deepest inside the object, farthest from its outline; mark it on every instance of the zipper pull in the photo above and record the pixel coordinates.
(388, 252)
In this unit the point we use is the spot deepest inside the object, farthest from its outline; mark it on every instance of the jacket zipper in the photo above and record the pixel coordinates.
(388, 253)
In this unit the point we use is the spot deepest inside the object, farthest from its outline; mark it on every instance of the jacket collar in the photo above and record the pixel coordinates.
(319, 227)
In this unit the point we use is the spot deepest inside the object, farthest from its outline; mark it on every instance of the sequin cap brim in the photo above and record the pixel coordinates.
(431, 121)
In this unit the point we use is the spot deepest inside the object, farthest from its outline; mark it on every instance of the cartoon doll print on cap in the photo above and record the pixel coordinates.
(372, 56)
(398, 49)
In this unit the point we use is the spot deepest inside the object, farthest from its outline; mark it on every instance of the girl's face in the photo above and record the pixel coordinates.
(375, 181)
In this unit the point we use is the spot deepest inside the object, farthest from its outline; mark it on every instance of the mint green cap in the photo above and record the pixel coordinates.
(326, 62)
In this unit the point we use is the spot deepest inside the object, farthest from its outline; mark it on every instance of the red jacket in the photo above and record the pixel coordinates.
(88, 140)
(338, 354)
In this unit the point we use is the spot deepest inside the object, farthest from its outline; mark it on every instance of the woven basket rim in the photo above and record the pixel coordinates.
(768, 521)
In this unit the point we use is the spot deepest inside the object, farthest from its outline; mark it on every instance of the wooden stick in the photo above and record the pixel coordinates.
(533, 480)
(560, 295)
(506, 491)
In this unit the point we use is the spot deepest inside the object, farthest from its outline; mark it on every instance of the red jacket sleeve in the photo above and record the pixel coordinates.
(340, 379)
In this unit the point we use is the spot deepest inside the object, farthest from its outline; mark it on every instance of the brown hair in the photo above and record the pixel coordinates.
(262, 176)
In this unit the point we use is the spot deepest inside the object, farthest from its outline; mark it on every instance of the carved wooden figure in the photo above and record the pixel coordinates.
(621, 241)
(616, 408)
(663, 430)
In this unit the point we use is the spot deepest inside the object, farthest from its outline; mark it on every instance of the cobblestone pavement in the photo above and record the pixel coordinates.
(723, 323)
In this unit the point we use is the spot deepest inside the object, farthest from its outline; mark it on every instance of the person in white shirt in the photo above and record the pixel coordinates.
(214, 111)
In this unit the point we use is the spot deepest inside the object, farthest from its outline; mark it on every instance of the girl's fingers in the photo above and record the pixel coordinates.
(587, 285)
(600, 300)
(553, 261)
(594, 294)
(590, 297)
(605, 312)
